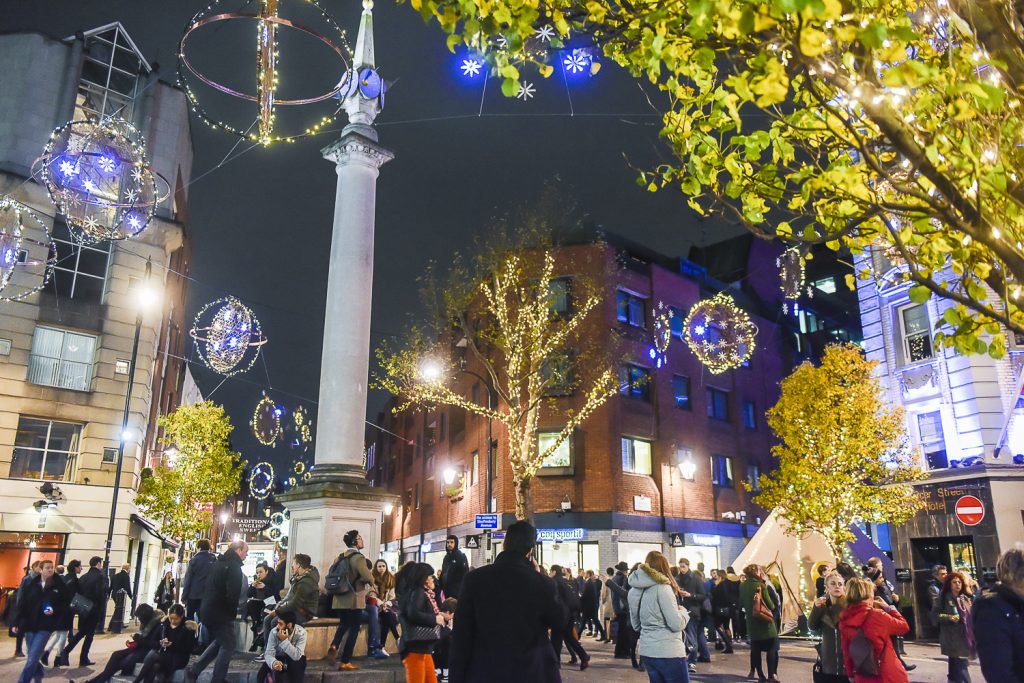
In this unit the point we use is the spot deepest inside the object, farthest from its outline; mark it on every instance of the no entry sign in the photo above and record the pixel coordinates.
(970, 510)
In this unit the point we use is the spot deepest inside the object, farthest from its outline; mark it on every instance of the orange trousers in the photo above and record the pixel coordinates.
(419, 668)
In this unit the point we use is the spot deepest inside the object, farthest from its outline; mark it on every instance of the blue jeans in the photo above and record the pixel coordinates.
(666, 670)
(371, 617)
(695, 635)
(35, 642)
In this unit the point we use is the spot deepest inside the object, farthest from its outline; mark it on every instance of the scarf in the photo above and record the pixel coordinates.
(963, 606)
(433, 602)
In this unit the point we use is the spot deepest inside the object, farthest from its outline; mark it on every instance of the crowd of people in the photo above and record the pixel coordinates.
(510, 620)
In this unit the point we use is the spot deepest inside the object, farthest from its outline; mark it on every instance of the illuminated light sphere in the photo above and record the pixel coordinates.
(27, 254)
(283, 542)
(261, 480)
(100, 179)
(291, 482)
(791, 273)
(299, 467)
(662, 327)
(719, 334)
(266, 421)
(227, 336)
(267, 98)
(278, 519)
(307, 475)
(303, 426)
(275, 534)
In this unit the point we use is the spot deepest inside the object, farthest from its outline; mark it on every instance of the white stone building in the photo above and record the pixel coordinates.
(962, 416)
(64, 351)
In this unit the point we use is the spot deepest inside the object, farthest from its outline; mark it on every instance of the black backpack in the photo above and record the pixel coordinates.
(339, 577)
(862, 652)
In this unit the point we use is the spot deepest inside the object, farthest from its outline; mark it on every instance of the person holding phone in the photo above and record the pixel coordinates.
(38, 613)
(284, 656)
(177, 638)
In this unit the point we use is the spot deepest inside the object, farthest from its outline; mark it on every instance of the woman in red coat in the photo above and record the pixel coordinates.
(879, 622)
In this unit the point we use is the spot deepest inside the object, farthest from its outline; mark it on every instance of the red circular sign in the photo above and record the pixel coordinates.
(970, 510)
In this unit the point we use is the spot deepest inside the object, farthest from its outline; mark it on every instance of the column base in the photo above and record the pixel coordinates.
(324, 508)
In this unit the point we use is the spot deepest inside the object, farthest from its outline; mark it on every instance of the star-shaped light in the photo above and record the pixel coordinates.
(545, 33)
(502, 41)
(699, 330)
(90, 223)
(131, 195)
(67, 168)
(89, 185)
(134, 222)
(526, 91)
(137, 174)
(577, 61)
(106, 164)
(470, 68)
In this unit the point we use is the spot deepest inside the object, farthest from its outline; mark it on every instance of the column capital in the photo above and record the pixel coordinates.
(357, 146)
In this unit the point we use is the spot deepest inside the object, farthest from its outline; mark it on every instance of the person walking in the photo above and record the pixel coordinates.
(384, 586)
(590, 603)
(193, 587)
(691, 586)
(421, 621)
(721, 610)
(142, 642)
(120, 589)
(625, 640)
(738, 617)
(219, 605)
(454, 568)
(824, 619)
(284, 657)
(998, 617)
(606, 612)
(31, 572)
(956, 629)
(759, 600)
(176, 641)
(164, 596)
(655, 614)
(569, 599)
(866, 628)
(93, 587)
(348, 581)
(502, 620)
(40, 609)
(59, 638)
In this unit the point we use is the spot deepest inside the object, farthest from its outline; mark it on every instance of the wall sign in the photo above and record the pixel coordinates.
(473, 542)
(706, 539)
(903, 575)
(970, 510)
(641, 503)
(560, 535)
(675, 540)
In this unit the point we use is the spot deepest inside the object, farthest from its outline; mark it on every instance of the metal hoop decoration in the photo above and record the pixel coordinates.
(225, 340)
(261, 480)
(99, 178)
(19, 252)
(266, 67)
(662, 327)
(266, 421)
(719, 333)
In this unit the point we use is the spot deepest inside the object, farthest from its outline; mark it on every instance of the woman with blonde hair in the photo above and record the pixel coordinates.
(655, 613)
(866, 628)
(824, 619)
(384, 584)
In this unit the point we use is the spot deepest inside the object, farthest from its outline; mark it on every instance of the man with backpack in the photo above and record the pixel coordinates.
(348, 581)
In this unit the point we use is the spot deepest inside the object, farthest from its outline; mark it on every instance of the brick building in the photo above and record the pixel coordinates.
(660, 466)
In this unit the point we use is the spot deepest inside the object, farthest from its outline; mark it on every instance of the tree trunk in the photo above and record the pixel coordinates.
(524, 500)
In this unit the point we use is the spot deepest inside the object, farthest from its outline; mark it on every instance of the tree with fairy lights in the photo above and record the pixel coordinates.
(856, 123)
(199, 470)
(843, 457)
(500, 309)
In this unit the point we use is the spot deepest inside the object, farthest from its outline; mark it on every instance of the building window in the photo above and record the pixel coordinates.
(681, 391)
(917, 334)
(44, 449)
(61, 359)
(475, 474)
(631, 309)
(676, 324)
(559, 295)
(749, 415)
(635, 381)
(933, 442)
(754, 478)
(718, 404)
(109, 79)
(721, 471)
(636, 456)
(475, 396)
(560, 461)
(826, 284)
(109, 455)
(80, 272)
(558, 372)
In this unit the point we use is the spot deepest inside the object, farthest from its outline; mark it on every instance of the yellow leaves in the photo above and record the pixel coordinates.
(596, 11)
(772, 86)
(812, 41)
(546, 70)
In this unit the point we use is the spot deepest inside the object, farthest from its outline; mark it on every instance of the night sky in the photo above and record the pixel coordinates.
(261, 224)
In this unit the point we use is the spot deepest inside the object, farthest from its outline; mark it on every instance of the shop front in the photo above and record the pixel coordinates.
(567, 548)
(19, 550)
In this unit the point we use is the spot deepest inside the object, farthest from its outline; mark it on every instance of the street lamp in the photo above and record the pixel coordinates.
(145, 296)
(449, 475)
(490, 438)
(431, 371)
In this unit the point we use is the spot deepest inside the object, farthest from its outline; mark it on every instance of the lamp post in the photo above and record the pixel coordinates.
(145, 297)
(490, 439)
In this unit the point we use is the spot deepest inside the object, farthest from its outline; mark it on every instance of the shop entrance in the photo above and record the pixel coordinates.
(573, 554)
(18, 550)
(954, 552)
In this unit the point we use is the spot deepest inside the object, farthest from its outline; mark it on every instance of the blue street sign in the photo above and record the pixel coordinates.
(487, 521)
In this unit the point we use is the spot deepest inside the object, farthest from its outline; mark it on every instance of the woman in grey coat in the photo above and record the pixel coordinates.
(956, 631)
(824, 618)
(654, 612)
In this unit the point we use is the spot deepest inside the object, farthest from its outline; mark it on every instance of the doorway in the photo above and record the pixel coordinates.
(955, 553)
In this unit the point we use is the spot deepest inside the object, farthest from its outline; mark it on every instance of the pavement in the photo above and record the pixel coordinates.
(797, 658)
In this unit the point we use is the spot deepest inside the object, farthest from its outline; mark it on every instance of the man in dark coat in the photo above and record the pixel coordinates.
(590, 601)
(625, 641)
(694, 593)
(39, 611)
(998, 617)
(93, 586)
(502, 620)
(120, 589)
(194, 586)
(67, 623)
(454, 568)
(220, 605)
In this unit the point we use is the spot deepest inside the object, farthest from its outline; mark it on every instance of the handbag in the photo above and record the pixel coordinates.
(761, 610)
(417, 633)
(81, 605)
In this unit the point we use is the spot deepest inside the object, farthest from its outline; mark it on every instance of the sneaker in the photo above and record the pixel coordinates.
(693, 668)
(86, 662)
(19, 653)
(347, 666)
(378, 654)
(910, 667)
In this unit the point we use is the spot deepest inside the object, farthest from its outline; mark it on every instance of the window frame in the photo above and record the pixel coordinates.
(628, 298)
(928, 450)
(629, 387)
(69, 264)
(32, 366)
(711, 393)
(750, 415)
(717, 471)
(560, 470)
(71, 456)
(905, 338)
(754, 477)
(631, 456)
(688, 403)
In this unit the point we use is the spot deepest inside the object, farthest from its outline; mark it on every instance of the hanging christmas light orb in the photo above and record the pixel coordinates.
(27, 254)
(662, 327)
(100, 180)
(228, 336)
(261, 480)
(291, 482)
(307, 475)
(275, 534)
(301, 434)
(278, 519)
(299, 467)
(791, 275)
(719, 334)
(266, 421)
(267, 98)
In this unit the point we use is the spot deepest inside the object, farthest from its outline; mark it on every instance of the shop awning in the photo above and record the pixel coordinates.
(153, 531)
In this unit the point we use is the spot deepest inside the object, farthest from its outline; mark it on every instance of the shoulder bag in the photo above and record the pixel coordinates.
(81, 605)
(761, 610)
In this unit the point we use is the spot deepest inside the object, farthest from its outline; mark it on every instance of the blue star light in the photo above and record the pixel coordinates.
(67, 168)
(107, 164)
(9, 256)
(577, 62)
(89, 185)
(470, 68)
(134, 222)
